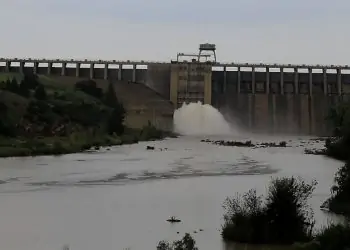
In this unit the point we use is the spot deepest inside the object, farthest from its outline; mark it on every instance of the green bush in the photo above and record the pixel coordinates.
(115, 123)
(340, 199)
(282, 218)
(150, 132)
(186, 243)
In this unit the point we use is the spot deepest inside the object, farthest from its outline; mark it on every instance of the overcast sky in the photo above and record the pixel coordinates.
(281, 31)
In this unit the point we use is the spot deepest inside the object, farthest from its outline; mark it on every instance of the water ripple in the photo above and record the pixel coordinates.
(179, 169)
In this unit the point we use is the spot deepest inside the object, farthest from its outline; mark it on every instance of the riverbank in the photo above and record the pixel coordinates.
(43, 117)
(76, 142)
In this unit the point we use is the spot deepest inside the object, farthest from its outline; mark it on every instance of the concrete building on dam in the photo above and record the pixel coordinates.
(274, 98)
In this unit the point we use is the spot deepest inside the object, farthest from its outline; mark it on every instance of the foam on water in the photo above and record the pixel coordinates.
(200, 119)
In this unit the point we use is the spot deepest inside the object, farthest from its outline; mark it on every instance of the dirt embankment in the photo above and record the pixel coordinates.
(143, 105)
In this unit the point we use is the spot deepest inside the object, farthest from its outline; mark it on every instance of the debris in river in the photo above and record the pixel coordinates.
(234, 143)
(173, 219)
(315, 151)
(281, 144)
(150, 148)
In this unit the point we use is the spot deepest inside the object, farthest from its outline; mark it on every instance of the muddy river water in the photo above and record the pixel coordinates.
(121, 197)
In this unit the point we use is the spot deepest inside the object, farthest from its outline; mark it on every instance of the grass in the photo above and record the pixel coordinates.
(5, 76)
(76, 142)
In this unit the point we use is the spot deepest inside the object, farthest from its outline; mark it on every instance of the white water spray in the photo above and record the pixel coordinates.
(199, 119)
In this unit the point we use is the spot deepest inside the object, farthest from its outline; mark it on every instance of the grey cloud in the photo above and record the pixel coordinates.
(244, 30)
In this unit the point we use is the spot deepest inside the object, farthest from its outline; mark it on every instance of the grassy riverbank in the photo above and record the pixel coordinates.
(76, 142)
(42, 117)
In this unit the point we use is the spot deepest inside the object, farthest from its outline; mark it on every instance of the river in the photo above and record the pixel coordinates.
(121, 197)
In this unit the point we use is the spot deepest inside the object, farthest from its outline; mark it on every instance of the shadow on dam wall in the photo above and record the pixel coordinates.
(277, 114)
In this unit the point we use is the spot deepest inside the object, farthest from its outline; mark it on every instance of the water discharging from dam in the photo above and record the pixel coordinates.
(200, 119)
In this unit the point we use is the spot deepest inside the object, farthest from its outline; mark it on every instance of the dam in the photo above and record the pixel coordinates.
(273, 98)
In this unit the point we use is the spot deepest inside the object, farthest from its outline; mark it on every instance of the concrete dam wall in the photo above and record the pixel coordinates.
(279, 102)
(273, 98)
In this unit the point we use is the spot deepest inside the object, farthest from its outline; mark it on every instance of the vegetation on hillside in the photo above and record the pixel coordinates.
(41, 117)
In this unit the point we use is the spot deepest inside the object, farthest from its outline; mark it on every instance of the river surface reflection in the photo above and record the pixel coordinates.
(121, 197)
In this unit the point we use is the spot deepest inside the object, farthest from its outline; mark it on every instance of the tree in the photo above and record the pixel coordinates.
(283, 218)
(89, 87)
(111, 99)
(30, 81)
(40, 92)
(12, 85)
(340, 199)
(339, 146)
(23, 89)
(287, 205)
(116, 120)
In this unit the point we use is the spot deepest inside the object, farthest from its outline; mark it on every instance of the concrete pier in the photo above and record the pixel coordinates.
(92, 71)
(49, 68)
(133, 73)
(63, 69)
(77, 69)
(281, 81)
(105, 72)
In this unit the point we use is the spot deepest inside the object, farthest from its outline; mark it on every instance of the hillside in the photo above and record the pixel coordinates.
(142, 104)
(43, 115)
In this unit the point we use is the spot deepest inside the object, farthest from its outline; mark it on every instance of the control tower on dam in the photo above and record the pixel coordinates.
(275, 98)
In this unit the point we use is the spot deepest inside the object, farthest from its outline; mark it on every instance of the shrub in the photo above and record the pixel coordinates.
(89, 87)
(12, 85)
(150, 132)
(334, 237)
(30, 81)
(283, 218)
(40, 92)
(110, 98)
(23, 89)
(340, 199)
(116, 120)
(186, 243)
(286, 204)
(339, 146)
(7, 129)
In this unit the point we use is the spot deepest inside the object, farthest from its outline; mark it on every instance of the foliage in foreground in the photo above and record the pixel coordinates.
(186, 243)
(283, 217)
(333, 237)
(340, 199)
(339, 146)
